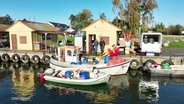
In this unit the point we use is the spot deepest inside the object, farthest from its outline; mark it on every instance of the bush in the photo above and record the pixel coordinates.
(175, 29)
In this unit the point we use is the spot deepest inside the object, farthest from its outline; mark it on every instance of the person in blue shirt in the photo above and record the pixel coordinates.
(96, 46)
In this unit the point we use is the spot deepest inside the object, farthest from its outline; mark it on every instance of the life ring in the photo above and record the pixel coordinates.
(5, 57)
(134, 64)
(35, 59)
(167, 61)
(15, 58)
(45, 59)
(25, 58)
(16, 66)
(25, 66)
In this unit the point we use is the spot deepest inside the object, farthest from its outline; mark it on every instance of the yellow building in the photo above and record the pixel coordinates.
(101, 29)
(27, 35)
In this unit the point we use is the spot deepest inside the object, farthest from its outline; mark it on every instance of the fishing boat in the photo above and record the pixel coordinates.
(68, 57)
(167, 70)
(75, 76)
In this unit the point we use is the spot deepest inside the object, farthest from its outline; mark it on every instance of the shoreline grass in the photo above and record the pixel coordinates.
(176, 45)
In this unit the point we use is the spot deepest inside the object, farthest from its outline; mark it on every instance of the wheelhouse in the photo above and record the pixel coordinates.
(68, 53)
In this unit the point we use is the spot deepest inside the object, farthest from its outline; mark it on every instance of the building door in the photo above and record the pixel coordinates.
(62, 53)
(14, 41)
(92, 38)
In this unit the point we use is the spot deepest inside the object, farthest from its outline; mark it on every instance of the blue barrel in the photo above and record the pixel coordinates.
(68, 74)
(84, 75)
(85, 60)
(79, 63)
(106, 59)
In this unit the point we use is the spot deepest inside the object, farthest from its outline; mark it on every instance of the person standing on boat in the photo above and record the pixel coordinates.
(95, 46)
(102, 45)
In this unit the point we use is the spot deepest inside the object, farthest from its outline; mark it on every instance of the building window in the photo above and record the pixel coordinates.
(23, 40)
(106, 39)
(69, 53)
(47, 36)
(75, 52)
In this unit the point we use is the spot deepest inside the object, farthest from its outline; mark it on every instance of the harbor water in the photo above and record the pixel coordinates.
(20, 84)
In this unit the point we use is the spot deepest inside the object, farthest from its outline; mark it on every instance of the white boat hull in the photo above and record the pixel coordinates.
(117, 69)
(93, 79)
(100, 80)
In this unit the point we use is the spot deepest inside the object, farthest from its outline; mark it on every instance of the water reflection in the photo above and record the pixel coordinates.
(154, 89)
(4, 67)
(23, 79)
(103, 93)
(168, 80)
(148, 90)
(131, 88)
(120, 81)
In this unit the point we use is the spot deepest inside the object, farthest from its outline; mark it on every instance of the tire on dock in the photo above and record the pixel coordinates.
(15, 58)
(35, 59)
(5, 57)
(147, 64)
(134, 64)
(167, 61)
(25, 58)
(45, 59)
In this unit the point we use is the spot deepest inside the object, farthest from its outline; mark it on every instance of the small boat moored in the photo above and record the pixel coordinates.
(167, 70)
(75, 76)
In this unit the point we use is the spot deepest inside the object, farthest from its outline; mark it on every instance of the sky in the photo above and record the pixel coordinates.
(169, 12)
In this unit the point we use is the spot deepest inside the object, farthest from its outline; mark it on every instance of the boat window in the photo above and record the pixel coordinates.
(69, 53)
(75, 52)
(152, 38)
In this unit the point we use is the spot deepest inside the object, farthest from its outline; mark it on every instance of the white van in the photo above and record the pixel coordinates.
(151, 42)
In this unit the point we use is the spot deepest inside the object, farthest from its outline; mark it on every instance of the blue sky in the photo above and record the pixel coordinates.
(169, 12)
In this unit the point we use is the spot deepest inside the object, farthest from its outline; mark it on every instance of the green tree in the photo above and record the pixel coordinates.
(81, 20)
(123, 24)
(136, 12)
(175, 29)
(102, 15)
(160, 27)
(6, 20)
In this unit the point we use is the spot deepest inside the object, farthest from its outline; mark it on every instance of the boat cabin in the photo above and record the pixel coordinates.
(69, 53)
